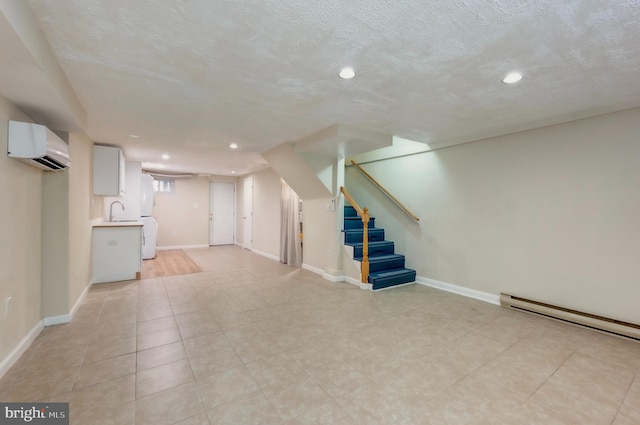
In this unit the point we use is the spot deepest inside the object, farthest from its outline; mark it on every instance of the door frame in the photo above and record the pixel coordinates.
(247, 199)
(235, 194)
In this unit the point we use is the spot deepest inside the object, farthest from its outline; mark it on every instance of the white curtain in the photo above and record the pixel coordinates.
(290, 244)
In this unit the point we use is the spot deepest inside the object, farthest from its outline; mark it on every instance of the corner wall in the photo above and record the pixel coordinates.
(549, 214)
(20, 244)
(83, 208)
(266, 212)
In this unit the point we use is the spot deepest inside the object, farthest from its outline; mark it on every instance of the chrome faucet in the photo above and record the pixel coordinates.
(111, 209)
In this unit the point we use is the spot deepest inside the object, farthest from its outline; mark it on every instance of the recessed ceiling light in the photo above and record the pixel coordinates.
(233, 172)
(165, 156)
(512, 77)
(134, 136)
(233, 146)
(347, 73)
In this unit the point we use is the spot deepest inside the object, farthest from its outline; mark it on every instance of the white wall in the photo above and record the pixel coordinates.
(20, 244)
(183, 216)
(266, 212)
(321, 237)
(550, 214)
(83, 208)
(132, 199)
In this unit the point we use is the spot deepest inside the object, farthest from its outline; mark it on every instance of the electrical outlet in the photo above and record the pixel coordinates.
(8, 306)
(174, 234)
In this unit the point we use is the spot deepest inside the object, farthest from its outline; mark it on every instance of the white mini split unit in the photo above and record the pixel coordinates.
(38, 146)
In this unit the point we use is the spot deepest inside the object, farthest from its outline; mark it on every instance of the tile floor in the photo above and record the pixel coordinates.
(251, 341)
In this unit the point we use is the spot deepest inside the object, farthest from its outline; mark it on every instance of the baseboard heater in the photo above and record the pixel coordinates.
(604, 324)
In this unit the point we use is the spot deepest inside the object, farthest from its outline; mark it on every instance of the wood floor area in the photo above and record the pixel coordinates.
(168, 263)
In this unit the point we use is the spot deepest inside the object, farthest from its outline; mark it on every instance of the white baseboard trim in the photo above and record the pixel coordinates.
(313, 269)
(239, 244)
(460, 290)
(394, 286)
(80, 300)
(164, 248)
(266, 254)
(19, 349)
(366, 286)
(66, 318)
(325, 275)
(332, 278)
(56, 320)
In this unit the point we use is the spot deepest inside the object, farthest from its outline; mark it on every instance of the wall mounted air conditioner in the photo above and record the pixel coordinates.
(38, 146)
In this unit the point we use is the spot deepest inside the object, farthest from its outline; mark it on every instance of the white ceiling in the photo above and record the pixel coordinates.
(189, 77)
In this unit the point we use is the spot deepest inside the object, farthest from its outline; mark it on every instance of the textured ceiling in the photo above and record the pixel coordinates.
(189, 77)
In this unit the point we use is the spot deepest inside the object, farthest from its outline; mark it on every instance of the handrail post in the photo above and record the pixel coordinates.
(365, 246)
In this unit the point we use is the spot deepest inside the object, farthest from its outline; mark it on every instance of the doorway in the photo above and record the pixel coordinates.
(222, 213)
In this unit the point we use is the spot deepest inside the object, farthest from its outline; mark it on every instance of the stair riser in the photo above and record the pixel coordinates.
(350, 212)
(394, 280)
(356, 223)
(374, 250)
(377, 266)
(356, 237)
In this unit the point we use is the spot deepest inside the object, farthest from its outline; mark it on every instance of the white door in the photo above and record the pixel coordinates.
(222, 200)
(247, 218)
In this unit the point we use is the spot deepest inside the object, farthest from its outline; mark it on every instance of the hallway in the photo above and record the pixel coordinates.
(251, 341)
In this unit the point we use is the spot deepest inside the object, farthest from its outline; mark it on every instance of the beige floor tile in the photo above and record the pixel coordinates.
(327, 414)
(122, 414)
(225, 386)
(106, 349)
(580, 396)
(339, 378)
(275, 370)
(214, 361)
(533, 414)
(150, 313)
(160, 355)
(169, 406)
(42, 384)
(376, 404)
(247, 410)
(627, 416)
(104, 370)
(158, 338)
(293, 398)
(156, 325)
(200, 419)
(110, 402)
(192, 330)
(408, 356)
(206, 343)
(467, 353)
(187, 307)
(107, 330)
(470, 401)
(160, 378)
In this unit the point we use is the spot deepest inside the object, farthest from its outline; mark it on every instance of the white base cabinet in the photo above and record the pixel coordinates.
(117, 253)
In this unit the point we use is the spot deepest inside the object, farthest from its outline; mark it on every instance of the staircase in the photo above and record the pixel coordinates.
(386, 268)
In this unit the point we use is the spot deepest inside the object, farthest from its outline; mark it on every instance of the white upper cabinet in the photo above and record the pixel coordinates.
(108, 171)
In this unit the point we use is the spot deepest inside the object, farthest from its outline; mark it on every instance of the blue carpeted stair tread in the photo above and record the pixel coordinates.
(386, 268)
(386, 278)
(355, 235)
(375, 248)
(351, 223)
(384, 262)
